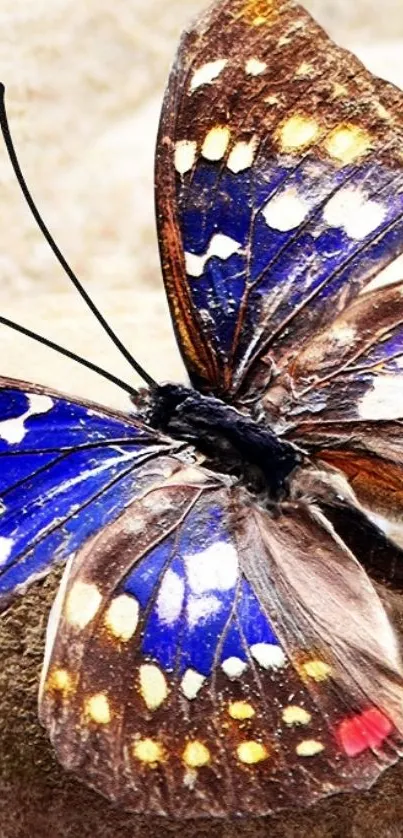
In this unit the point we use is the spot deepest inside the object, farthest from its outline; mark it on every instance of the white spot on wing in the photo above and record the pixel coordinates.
(213, 569)
(200, 608)
(268, 655)
(13, 431)
(185, 156)
(221, 246)
(39, 403)
(254, 67)
(286, 211)
(384, 400)
(371, 216)
(6, 546)
(234, 667)
(208, 73)
(242, 155)
(170, 598)
(350, 210)
(192, 683)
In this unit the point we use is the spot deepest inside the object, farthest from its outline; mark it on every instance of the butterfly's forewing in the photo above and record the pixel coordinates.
(279, 187)
(207, 660)
(66, 470)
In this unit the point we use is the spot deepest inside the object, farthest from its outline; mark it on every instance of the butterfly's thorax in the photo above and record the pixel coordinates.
(233, 442)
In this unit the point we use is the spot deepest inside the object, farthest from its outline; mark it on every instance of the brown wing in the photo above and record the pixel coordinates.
(209, 658)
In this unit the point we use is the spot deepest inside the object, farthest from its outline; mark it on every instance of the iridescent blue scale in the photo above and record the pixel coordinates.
(66, 470)
(196, 626)
(280, 269)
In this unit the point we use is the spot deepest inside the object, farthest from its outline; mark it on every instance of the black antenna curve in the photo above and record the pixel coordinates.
(4, 321)
(49, 238)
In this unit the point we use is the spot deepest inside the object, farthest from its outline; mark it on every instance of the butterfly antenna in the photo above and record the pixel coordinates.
(4, 321)
(49, 238)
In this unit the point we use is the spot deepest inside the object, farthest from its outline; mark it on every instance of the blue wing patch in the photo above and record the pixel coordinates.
(66, 470)
(199, 612)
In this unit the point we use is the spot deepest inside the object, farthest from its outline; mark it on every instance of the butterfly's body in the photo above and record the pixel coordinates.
(233, 442)
(218, 646)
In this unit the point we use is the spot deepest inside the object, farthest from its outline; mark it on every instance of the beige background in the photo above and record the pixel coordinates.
(84, 82)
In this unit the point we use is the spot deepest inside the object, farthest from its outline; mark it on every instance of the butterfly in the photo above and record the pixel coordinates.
(219, 645)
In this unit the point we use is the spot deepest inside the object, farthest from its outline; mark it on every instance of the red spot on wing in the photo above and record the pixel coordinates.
(367, 730)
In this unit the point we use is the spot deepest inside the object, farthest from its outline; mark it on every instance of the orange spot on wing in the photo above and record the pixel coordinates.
(258, 12)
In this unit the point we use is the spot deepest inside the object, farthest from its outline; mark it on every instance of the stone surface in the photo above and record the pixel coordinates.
(84, 83)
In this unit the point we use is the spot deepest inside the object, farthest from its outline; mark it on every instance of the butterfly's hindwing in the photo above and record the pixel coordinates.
(199, 667)
(346, 406)
(353, 370)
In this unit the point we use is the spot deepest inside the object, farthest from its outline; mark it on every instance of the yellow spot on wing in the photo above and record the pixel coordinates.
(241, 711)
(257, 12)
(60, 680)
(82, 604)
(98, 709)
(296, 716)
(216, 143)
(348, 142)
(153, 686)
(122, 617)
(250, 753)
(298, 132)
(196, 755)
(309, 748)
(148, 751)
(317, 670)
